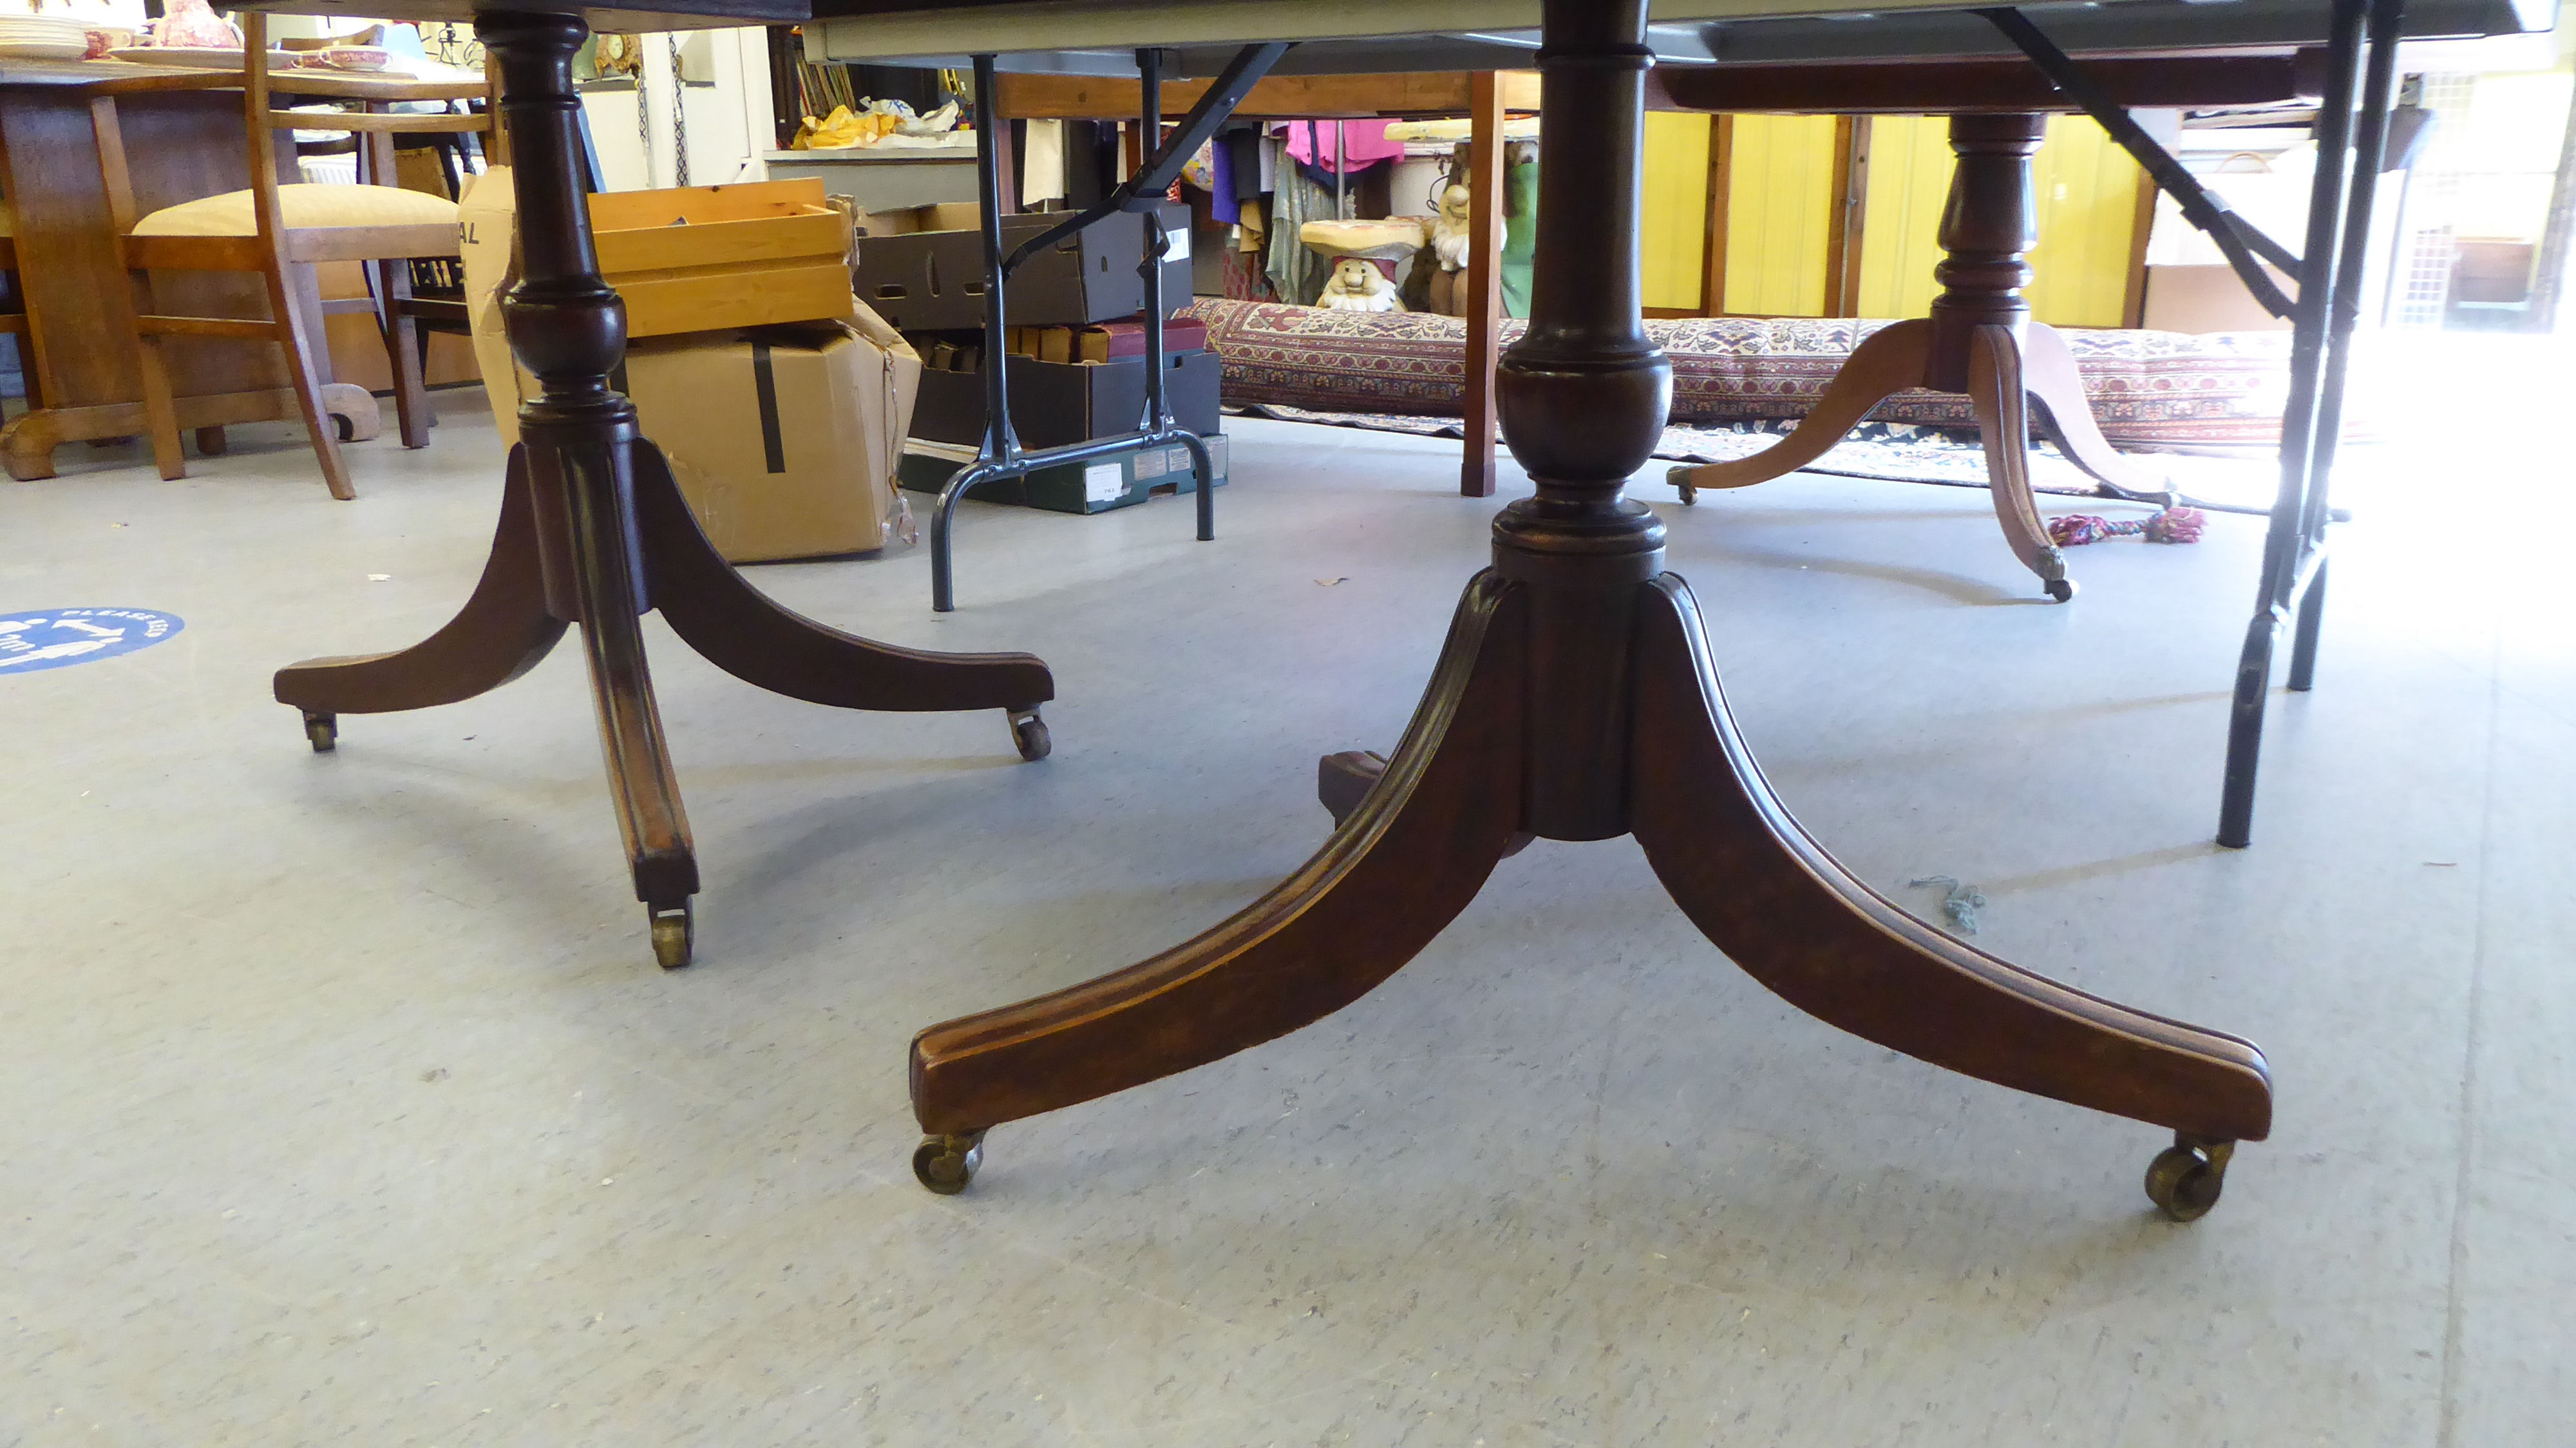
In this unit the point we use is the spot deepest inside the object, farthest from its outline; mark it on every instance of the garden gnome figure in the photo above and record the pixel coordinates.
(1358, 286)
(1449, 238)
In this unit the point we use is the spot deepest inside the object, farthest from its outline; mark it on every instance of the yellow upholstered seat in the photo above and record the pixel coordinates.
(305, 206)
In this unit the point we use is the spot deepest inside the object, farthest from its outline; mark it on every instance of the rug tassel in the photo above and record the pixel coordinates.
(2173, 525)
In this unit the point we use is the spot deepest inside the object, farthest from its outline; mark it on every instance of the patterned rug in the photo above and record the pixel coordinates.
(2146, 389)
(1894, 451)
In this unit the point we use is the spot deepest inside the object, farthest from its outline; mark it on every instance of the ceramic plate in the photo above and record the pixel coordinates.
(201, 57)
(44, 49)
(358, 58)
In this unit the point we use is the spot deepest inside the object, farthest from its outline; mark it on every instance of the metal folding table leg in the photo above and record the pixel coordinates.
(1001, 455)
(2351, 141)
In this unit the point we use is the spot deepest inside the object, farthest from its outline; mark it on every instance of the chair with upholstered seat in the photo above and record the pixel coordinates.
(270, 227)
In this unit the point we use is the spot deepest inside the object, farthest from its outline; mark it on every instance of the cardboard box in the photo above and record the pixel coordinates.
(785, 440)
(2207, 299)
(1110, 341)
(1054, 403)
(904, 221)
(684, 260)
(934, 280)
(1118, 481)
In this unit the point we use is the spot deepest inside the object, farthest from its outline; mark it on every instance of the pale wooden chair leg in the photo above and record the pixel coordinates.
(160, 407)
(402, 350)
(306, 381)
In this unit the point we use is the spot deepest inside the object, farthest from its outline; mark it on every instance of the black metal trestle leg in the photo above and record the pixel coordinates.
(2351, 144)
(1000, 455)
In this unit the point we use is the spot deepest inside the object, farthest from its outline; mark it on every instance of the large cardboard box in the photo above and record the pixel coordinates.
(1055, 403)
(684, 260)
(785, 440)
(934, 280)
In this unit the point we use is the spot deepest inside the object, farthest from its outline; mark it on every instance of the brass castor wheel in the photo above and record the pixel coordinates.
(945, 1164)
(2185, 1177)
(674, 934)
(1029, 732)
(2060, 589)
(323, 730)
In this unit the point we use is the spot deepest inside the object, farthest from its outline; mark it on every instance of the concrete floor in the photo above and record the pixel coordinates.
(345, 1104)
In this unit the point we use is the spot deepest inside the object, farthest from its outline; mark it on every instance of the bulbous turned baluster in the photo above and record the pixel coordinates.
(1988, 226)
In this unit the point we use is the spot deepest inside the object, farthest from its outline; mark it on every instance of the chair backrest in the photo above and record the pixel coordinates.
(373, 128)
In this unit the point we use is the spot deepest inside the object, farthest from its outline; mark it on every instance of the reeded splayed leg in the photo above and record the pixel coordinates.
(716, 611)
(2003, 424)
(501, 633)
(1887, 362)
(1390, 877)
(2049, 374)
(1786, 911)
(568, 327)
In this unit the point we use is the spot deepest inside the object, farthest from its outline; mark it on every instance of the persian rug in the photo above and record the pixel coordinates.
(1894, 451)
(2162, 389)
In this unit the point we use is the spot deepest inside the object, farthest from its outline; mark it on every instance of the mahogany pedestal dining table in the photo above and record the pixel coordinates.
(183, 139)
(593, 531)
(1575, 698)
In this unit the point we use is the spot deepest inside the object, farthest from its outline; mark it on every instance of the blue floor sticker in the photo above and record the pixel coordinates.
(52, 638)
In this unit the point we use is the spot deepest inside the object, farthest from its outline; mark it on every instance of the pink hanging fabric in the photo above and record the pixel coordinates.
(1364, 143)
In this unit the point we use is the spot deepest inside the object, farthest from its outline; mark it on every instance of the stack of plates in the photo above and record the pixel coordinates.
(41, 37)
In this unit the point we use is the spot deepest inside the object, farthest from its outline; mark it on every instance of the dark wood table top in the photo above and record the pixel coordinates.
(1098, 37)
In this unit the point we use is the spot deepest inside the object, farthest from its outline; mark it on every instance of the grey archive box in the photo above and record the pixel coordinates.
(934, 280)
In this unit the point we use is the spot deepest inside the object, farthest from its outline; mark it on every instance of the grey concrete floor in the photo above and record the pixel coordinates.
(344, 1103)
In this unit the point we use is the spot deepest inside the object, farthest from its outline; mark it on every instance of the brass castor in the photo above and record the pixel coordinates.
(674, 934)
(323, 730)
(1680, 478)
(2061, 589)
(2185, 1177)
(1029, 732)
(945, 1164)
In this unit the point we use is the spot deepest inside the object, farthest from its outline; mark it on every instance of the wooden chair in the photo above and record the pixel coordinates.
(271, 226)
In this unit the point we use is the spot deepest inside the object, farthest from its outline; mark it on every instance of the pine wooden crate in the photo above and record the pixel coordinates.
(700, 258)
